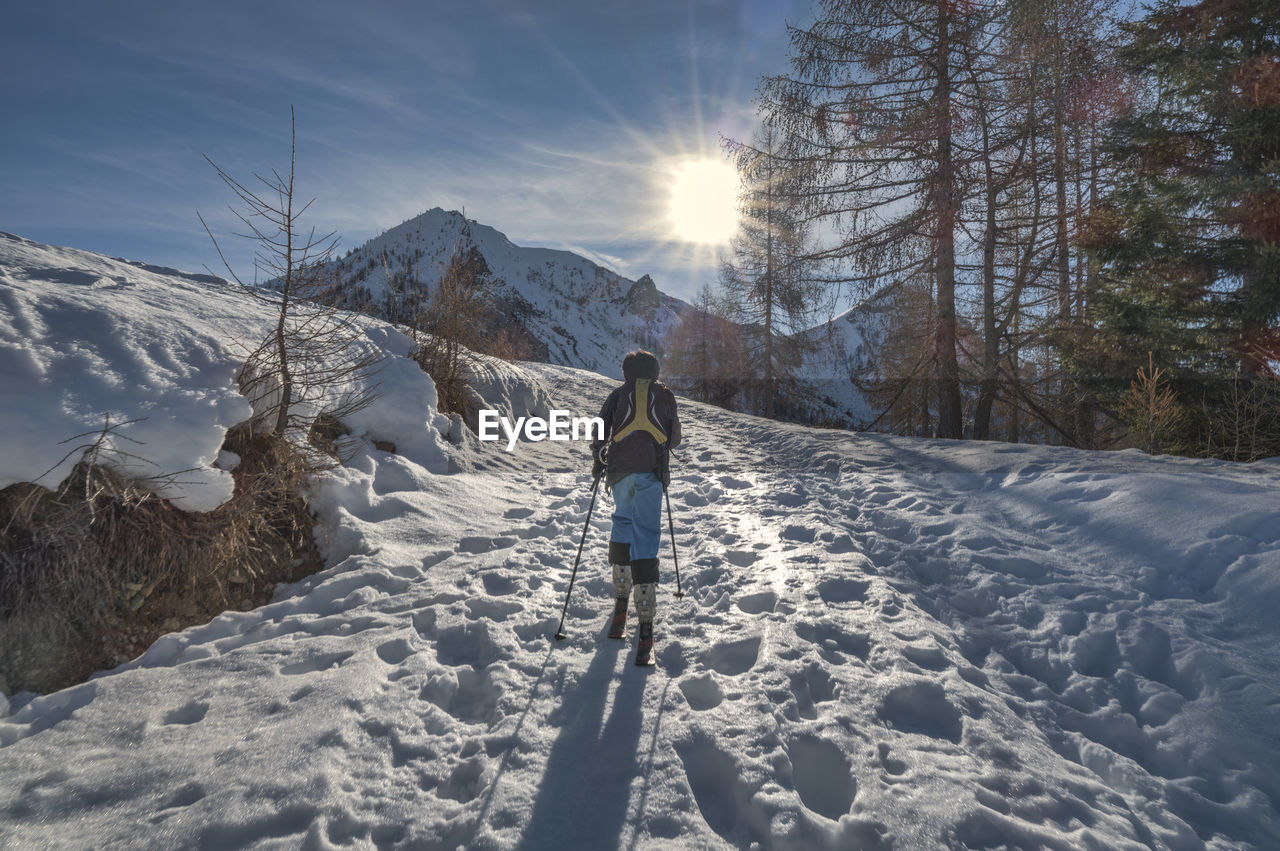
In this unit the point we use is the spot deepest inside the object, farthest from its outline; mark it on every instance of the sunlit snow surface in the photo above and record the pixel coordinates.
(883, 643)
(87, 341)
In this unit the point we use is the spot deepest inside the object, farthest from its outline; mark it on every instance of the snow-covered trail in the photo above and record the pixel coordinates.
(884, 643)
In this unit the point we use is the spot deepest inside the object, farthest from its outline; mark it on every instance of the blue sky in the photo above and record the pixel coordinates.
(559, 123)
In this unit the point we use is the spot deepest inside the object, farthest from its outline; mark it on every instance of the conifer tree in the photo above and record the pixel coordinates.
(706, 359)
(315, 358)
(873, 102)
(767, 280)
(1189, 242)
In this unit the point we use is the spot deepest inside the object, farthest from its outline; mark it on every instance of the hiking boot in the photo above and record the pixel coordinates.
(644, 648)
(618, 623)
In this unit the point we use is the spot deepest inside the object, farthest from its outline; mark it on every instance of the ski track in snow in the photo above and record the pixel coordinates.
(883, 643)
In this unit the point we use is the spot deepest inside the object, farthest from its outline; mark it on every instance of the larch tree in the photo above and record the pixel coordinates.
(873, 99)
(767, 279)
(314, 360)
(705, 355)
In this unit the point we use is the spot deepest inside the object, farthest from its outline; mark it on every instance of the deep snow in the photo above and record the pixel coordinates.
(884, 643)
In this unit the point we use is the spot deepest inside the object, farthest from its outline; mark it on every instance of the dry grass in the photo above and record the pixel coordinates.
(93, 572)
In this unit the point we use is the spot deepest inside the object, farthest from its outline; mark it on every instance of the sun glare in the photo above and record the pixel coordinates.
(704, 201)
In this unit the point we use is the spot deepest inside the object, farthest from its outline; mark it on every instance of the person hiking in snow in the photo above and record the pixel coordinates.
(641, 429)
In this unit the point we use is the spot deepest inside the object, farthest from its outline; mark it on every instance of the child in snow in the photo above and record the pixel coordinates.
(641, 429)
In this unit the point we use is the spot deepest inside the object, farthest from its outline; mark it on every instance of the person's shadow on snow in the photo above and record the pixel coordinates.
(585, 792)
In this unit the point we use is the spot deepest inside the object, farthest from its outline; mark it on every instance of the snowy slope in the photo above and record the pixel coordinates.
(839, 350)
(84, 336)
(587, 315)
(883, 643)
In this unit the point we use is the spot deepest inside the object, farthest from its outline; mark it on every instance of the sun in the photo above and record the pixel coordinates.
(704, 201)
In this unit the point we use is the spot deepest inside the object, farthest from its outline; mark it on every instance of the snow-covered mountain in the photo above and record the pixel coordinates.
(840, 350)
(884, 643)
(576, 312)
(570, 311)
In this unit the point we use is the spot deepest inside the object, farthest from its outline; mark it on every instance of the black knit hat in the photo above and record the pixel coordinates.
(643, 365)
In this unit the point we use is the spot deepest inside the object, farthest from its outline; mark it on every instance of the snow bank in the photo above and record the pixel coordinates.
(83, 336)
(505, 387)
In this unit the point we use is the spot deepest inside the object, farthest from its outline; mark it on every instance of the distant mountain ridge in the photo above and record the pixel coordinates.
(568, 310)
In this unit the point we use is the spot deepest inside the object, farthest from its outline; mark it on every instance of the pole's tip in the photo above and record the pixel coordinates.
(560, 636)
(679, 594)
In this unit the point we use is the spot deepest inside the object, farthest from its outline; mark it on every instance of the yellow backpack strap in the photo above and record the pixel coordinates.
(640, 418)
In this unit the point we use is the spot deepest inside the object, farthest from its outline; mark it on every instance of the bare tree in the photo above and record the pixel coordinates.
(873, 102)
(315, 358)
(767, 280)
(706, 355)
(453, 323)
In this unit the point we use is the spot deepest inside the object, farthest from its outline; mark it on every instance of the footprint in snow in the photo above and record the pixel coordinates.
(468, 643)
(500, 584)
(185, 796)
(191, 713)
(892, 766)
(548, 528)
(838, 544)
(463, 783)
(492, 610)
(718, 789)
(921, 707)
(760, 603)
(478, 545)
(435, 558)
(468, 695)
(798, 533)
(702, 692)
(822, 777)
(929, 658)
(810, 687)
(733, 658)
(395, 651)
(878, 496)
(319, 662)
(843, 590)
(1023, 568)
(834, 640)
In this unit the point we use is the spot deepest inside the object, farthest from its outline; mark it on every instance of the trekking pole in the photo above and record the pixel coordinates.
(674, 555)
(560, 636)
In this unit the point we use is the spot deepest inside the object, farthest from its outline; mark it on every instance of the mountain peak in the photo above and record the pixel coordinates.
(582, 314)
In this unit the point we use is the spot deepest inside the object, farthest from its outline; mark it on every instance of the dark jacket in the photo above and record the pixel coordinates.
(638, 452)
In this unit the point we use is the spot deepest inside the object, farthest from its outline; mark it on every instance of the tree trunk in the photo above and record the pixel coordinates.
(949, 406)
(282, 347)
(991, 336)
